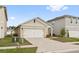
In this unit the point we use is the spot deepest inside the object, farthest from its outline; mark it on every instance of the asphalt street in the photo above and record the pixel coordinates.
(76, 51)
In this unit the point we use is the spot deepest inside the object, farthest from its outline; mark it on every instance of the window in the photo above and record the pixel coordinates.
(34, 20)
(71, 19)
(22, 28)
(1, 27)
(76, 20)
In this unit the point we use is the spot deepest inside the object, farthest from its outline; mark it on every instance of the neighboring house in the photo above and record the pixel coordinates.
(70, 23)
(3, 21)
(10, 30)
(35, 28)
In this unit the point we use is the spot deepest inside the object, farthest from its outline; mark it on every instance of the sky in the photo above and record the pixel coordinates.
(18, 14)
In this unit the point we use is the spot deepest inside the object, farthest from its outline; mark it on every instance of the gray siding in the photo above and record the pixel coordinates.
(58, 25)
(72, 26)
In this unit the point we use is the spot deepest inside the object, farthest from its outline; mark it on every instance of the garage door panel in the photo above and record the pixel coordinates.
(33, 33)
(74, 34)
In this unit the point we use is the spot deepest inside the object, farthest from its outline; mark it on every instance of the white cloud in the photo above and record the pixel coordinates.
(56, 7)
(65, 8)
(12, 18)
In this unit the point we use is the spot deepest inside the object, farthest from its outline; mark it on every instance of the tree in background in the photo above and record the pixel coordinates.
(11, 27)
(10, 30)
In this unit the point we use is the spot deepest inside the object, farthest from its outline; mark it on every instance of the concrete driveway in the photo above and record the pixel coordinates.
(47, 45)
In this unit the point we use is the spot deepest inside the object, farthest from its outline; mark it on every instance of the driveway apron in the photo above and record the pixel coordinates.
(49, 46)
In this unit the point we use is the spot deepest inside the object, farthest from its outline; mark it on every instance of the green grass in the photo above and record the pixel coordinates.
(64, 39)
(7, 41)
(19, 50)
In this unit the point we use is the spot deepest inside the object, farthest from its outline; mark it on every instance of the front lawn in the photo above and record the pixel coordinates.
(19, 50)
(64, 39)
(7, 41)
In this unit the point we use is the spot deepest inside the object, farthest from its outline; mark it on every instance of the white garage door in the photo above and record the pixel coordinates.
(33, 33)
(74, 34)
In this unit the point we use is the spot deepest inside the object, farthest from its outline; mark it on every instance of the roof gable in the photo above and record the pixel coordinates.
(36, 19)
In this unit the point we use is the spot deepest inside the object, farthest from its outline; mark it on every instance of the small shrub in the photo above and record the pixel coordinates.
(67, 34)
(62, 32)
(47, 36)
(13, 40)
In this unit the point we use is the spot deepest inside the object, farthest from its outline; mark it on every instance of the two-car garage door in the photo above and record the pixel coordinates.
(33, 33)
(74, 34)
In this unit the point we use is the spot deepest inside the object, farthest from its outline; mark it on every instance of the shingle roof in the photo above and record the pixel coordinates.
(33, 19)
(56, 18)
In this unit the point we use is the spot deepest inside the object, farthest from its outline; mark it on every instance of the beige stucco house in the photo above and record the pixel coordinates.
(34, 28)
(70, 23)
(3, 21)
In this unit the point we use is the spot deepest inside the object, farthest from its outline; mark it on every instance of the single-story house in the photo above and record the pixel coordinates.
(68, 22)
(34, 28)
(3, 21)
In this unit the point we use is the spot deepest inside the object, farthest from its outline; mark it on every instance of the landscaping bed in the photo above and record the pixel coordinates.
(64, 39)
(7, 41)
(19, 50)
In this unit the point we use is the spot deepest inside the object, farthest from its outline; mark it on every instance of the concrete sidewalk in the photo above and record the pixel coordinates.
(11, 47)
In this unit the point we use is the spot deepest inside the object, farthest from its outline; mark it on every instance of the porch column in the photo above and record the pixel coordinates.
(51, 32)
